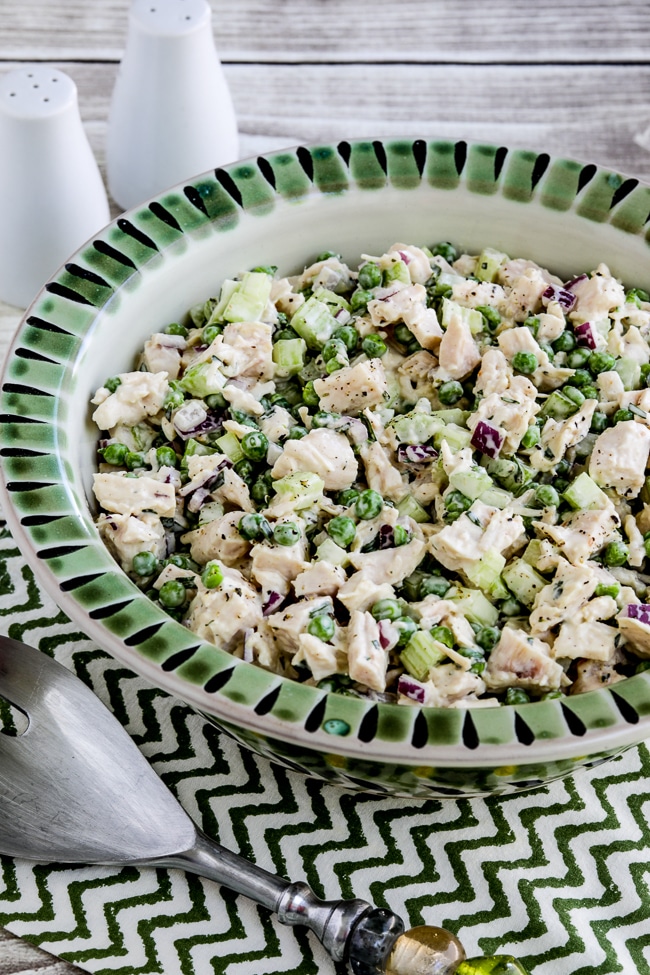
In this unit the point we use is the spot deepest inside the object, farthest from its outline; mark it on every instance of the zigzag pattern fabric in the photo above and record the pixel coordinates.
(558, 876)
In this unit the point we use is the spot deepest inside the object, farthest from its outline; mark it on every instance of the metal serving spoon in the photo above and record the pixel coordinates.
(74, 788)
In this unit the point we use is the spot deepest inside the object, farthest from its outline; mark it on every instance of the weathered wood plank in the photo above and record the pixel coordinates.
(19, 958)
(365, 31)
(597, 112)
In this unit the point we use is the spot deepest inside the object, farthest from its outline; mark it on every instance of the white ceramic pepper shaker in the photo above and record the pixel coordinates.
(171, 113)
(52, 197)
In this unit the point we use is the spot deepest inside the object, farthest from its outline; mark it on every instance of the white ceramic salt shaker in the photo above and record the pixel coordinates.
(52, 197)
(171, 113)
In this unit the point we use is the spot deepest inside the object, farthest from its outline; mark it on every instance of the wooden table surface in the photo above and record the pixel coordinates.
(569, 79)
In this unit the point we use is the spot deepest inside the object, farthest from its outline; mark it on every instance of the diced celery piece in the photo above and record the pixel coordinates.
(472, 318)
(488, 264)
(456, 437)
(396, 271)
(475, 606)
(228, 288)
(229, 445)
(193, 447)
(248, 301)
(331, 298)
(302, 488)
(416, 427)
(533, 552)
(486, 573)
(558, 406)
(585, 493)
(630, 372)
(420, 654)
(329, 551)
(449, 279)
(411, 508)
(496, 498)
(314, 322)
(472, 483)
(452, 416)
(289, 357)
(523, 581)
(203, 379)
(210, 511)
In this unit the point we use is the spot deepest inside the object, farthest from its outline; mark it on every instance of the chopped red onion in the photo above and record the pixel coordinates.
(563, 297)
(171, 341)
(206, 479)
(190, 424)
(388, 634)
(411, 688)
(638, 611)
(405, 257)
(416, 453)
(487, 439)
(197, 499)
(570, 284)
(585, 333)
(273, 600)
(357, 431)
(386, 537)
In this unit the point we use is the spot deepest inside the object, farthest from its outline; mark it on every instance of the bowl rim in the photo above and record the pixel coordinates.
(52, 525)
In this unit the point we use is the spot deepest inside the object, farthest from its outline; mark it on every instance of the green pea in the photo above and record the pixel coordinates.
(181, 561)
(325, 256)
(445, 250)
(560, 484)
(324, 419)
(348, 335)
(403, 335)
(322, 626)
(166, 456)
(369, 276)
(286, 533)
(488, 637)
(511, 607)
(309, 395)
(532, 323)
(401, 536)
(531, 437)
(456, 502)
(374, 346)
(491, 317)
(608, 589)
(114, 453)
(369, 504)
(450, 392)
(645, 373)
(144, 563)
(255, 445)
(616, 553)
(433, 586)
(347, 497)
(174, 397)
(622, 416)
(547, 496)
(333, 348)
(254, 527)
(516, 695)
(269, 269)
(601, 362)
(360, 299)
(285, 333)
(386, 609)
(443, 635)
(578, 358)
(112, 383)
(333, 365)
(244, 469)
(134, 460)
(406, 627)
(342, 530)
(525, 362)
(580, 378)
(297, 433)
(566, 342)
(210, 333)
(212, 575)
(599, 422)
(175, 328)
(172, 594)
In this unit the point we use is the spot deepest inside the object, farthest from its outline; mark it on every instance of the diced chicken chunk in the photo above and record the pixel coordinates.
(589, 639)
(583, 533)
(449, 686)
(162, 353)
(563, 598)
(520, 660)
(219, 539)
(289, 623)
(559, 435)
(620, 457)
(367, 660)
(458, 353)
(323, 452)
(353, 388)
(139, 395)
(320, 579)
(381, 474)
(244, 349)
(274, 567)
(222, 615)
(323, 659)
(127, 495)
(126, 536)
(460, 545)
(392, 565)
(596, 296)
(510, 411)
(360, 592)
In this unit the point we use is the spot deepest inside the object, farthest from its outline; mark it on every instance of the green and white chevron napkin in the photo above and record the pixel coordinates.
(558, 876)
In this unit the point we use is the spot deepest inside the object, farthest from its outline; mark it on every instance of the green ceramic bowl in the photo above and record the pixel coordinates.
(147, 268)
